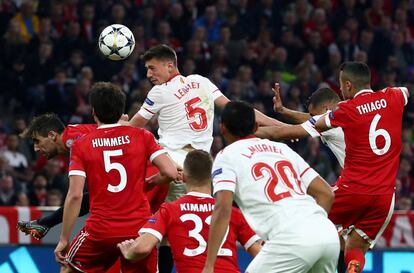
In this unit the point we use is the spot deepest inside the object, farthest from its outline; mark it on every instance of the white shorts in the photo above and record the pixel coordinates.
(176, 190)
(317, 252)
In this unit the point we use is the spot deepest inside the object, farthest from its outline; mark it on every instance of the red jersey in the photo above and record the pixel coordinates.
(113, 158)
(186, 222)
(74, 132)
(372, 123)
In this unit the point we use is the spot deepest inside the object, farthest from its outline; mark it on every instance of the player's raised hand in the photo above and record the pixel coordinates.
(277, 101)
(60, 252)
(125, 247)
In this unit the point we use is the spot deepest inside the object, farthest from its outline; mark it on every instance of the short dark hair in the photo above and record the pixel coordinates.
(43, 124)
(322, 95)
(160, 52)
(107, 101)
(197, 166)
(239, 118)
(357, 73)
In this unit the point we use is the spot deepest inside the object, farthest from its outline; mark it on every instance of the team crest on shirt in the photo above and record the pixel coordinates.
(149, 102)
(217, 172)
(152, 220)
(69, 142)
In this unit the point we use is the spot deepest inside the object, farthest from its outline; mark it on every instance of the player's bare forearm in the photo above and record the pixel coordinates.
(138, 121)
(293, 116)
(167, 167)
(255, 248)
(322, 193)
(219, 223)
(70, 213)
(284, 132)
(264, 120)
(138, 249)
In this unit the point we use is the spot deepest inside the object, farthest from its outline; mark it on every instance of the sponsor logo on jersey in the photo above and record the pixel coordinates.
(149, 102)
(217, 172)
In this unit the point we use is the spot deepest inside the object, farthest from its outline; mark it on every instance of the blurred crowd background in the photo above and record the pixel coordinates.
(49, 59)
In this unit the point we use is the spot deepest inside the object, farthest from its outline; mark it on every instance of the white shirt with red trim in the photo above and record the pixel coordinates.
(185, 108)
(269, 181)
(333, 138)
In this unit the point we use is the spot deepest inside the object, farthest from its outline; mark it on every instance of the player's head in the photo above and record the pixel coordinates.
(353, 77)
(322, 100)
(161, 64)
(237, 121)
(197, 169)
(107, 101)
(45, 132)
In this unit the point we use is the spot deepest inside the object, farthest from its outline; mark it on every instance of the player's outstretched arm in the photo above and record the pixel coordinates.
(261, 118)
(322, 193)
(167, 167)
(284, 132)
(70, 214)
(292, 116)
(219, 223)
(321, 125)
(255, 248)
(137, 121)
(138, 249)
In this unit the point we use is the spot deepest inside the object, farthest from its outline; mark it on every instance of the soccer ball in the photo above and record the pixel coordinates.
(116, 42)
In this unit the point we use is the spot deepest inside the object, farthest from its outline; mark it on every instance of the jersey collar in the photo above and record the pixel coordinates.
(172, 77)
(360, 92)
(109, 125)
(199, 194)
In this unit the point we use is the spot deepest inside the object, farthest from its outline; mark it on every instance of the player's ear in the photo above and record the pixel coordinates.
(52, 135)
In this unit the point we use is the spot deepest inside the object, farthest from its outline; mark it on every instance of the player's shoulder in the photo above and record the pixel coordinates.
(196, 77)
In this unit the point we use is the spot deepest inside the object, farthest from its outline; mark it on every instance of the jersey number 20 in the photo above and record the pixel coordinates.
(284, 172)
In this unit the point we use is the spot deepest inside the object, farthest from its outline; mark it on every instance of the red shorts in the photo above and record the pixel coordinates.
(88, 254)
(363, 212)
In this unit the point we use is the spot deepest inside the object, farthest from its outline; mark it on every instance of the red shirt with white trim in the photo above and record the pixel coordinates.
(113, 158)
(186, 222)
(74, 132)
(269, 181)
(372, 124)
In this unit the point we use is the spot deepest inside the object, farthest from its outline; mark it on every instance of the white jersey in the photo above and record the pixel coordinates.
(269, 181)
(333, 138)
(185, 108)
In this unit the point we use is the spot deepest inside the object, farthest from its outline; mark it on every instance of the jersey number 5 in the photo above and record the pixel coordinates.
(282, 171)
(195, 233)
(115, 166)
(196, 115)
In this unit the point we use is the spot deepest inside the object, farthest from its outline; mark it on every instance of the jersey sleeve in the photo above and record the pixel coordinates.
(153, 148)
(404, 94)
(152, 104)
(309, 126)
(305, 172)
(341, 117)
(76, 163)
(157, 224)
(211, 87)
(245, 234)
(224, 176)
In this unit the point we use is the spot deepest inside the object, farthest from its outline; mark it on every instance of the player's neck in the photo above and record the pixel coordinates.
(203, 189)
(61, 146)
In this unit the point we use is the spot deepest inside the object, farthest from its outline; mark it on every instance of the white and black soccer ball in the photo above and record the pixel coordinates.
(116, 42)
